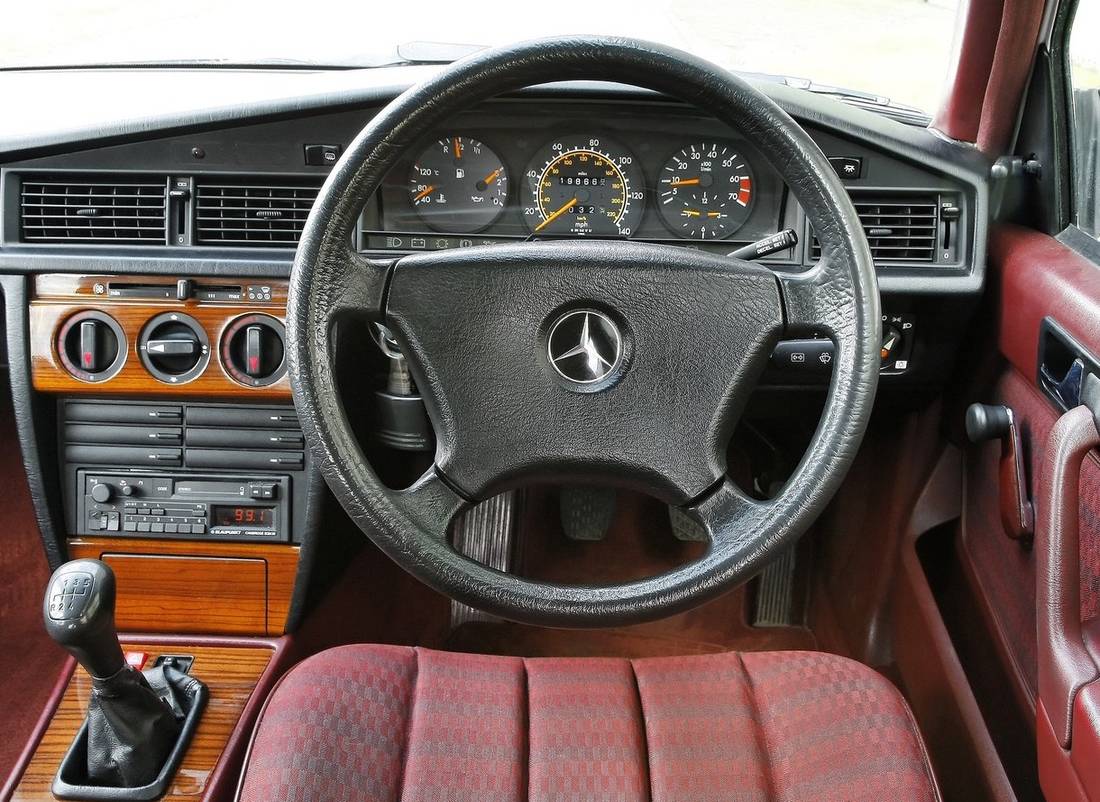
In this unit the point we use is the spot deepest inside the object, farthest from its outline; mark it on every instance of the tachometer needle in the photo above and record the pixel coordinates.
(484, 183)
(556, 215)
(683, 182)
(424, 193)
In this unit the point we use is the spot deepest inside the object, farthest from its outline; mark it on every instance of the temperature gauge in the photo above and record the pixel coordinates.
(458, 185)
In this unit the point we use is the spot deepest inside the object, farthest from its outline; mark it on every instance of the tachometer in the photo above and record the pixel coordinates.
(458, 185)
(706, 191)
(584, 187)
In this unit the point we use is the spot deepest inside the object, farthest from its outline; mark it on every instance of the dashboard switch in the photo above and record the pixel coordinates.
(804, 356)
(847, 167)
(322, 155)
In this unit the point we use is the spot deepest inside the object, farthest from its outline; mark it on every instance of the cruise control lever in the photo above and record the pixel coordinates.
(766, 247)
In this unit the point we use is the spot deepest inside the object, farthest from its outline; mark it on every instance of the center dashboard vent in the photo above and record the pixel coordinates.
(899, 228)
(104, 209)
(252, 213)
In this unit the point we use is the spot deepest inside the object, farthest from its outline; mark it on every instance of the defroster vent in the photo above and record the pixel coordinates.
(252, 213)
(899, 228)
(83, 209)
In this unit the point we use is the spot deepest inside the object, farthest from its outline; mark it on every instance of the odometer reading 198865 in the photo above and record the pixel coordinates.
(584, 187)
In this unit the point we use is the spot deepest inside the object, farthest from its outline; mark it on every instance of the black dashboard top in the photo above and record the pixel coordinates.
(223, 135)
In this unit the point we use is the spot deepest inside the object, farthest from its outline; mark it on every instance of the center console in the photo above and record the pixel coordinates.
(179, 454)
(208, 471)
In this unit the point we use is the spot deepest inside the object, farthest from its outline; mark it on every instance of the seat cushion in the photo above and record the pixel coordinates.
(396, 723)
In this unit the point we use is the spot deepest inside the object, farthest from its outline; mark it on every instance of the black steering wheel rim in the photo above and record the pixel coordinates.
(838, 297)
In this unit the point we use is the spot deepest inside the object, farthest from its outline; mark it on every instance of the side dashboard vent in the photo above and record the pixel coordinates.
(77, 210)
(899, 228)
(252, 213)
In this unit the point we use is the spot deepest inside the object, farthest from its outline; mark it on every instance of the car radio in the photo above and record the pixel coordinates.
(167, 505)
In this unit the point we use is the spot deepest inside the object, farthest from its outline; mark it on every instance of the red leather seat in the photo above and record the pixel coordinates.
(396, 723)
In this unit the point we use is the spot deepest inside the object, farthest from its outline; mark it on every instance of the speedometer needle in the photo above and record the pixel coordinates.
(683, 182)
(556, 215)
(424, 193)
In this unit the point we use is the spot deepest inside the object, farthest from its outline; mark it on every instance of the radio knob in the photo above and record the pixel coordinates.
(126, 490)
(102, 493)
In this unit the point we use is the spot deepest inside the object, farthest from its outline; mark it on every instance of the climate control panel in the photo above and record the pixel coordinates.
(157, 335)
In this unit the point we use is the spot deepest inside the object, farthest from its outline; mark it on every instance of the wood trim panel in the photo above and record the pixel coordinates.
(57, 297)
(200, 587)
(231, 673)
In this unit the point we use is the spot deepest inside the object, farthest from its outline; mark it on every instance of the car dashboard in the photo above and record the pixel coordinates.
(147, 240)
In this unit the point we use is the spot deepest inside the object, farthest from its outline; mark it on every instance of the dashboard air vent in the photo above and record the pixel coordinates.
(899, 228)
(252, 213)
(106, 209)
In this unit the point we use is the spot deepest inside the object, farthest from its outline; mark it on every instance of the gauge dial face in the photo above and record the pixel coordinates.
(706, 191)
(584, 187)
(458, 185)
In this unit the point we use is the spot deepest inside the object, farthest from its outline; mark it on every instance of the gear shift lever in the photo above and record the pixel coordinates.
(80, 615)
(135, 726)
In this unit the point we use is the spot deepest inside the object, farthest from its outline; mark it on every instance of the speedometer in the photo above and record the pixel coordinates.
(584, 187)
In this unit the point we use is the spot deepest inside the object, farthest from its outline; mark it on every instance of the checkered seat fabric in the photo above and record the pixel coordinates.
(402, 724)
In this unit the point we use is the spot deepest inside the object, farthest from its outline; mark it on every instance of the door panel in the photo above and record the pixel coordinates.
(1044, 601)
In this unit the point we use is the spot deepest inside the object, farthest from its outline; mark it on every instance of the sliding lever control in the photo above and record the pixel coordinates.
(986, 422)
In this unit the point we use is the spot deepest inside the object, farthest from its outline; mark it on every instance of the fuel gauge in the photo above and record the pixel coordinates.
(458, 185)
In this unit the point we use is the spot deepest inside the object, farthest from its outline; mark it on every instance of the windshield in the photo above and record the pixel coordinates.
(894, 48)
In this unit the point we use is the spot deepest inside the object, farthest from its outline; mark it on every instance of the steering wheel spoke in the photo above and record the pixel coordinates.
(431, 503)
(818, 300)
(356, 285)
(728, 515)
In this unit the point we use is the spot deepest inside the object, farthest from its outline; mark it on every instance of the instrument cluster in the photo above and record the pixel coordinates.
(477, 184)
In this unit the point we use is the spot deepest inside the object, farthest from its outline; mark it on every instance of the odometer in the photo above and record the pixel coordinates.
(706, 191)
(584, 187)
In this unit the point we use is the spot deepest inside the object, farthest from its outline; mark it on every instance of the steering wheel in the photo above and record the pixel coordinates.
(606, 361)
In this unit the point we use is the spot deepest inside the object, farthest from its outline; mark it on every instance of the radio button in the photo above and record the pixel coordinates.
(198, 529)
(143, 526)
(171, 529)
(130, 526)
(158, 528)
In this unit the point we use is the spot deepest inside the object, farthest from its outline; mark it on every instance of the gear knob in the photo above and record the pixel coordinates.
(79, 612)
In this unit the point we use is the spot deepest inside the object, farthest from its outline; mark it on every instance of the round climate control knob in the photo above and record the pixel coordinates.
(91, 346)
(253, 350)
(174, 348)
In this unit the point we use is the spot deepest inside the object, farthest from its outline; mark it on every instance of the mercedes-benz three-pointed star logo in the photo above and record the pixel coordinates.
(584, 346)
